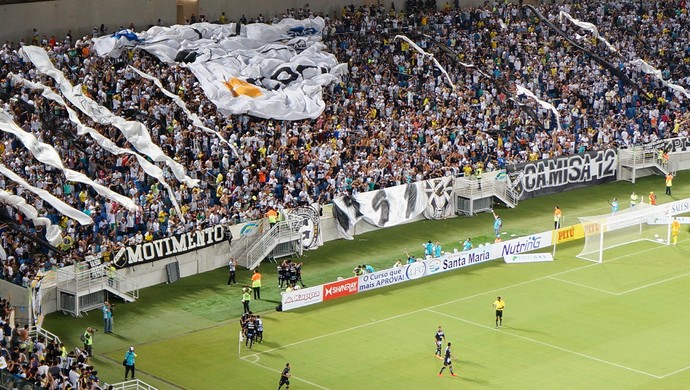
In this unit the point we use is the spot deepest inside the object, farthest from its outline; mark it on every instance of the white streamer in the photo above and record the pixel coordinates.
(59, 205)
(53, 232)
(49, 156)
(180, 103)
(425, 54)
(524, 91)
(588, 27)
(151, 169)
(135, 132)
(646, 68)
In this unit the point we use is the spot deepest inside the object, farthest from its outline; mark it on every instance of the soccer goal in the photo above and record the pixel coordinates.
(640, 223)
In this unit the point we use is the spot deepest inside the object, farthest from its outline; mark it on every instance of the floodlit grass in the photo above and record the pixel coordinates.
(568, 324)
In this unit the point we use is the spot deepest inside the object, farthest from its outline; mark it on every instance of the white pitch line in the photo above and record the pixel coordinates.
(257, 354)
(291, 376)
(549, 345)
(413, 312)
(618, 258)
(654, 284)
(584, 286)
(675, 372)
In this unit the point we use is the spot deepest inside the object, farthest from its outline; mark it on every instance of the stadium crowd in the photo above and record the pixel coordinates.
(393, 119)
(32, 361)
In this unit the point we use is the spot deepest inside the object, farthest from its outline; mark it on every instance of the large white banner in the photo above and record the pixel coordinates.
(394, 205)
(270, 71)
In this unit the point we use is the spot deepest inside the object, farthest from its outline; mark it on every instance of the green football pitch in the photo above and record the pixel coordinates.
(568, 324)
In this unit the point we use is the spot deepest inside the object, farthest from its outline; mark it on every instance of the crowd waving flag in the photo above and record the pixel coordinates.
(62, 207)
(196, 121)
(648, 69)
(104, 142)
(546, 105)
(271, 71)
(135, 132)
(48, 155)
(588, 27)
(53, 232)
(426, 54)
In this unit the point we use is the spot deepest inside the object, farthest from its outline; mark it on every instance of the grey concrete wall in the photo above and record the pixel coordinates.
(59, 16)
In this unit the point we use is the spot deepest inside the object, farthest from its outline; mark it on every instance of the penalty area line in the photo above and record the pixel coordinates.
(256, 362)
(548, 345)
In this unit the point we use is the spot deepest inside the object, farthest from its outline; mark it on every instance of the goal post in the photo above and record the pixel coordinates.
(640, 223)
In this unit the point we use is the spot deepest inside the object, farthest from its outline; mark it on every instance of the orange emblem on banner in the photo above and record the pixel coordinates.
(242, 88)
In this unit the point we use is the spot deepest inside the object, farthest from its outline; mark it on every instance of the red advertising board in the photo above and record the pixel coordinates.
(340, 288)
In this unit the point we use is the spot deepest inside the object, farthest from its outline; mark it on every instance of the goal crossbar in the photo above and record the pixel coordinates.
(607, 231)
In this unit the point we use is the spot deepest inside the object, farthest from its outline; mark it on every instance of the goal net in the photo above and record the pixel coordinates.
(640, 223)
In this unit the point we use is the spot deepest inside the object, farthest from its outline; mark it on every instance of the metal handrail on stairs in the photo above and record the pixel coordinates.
(241, 245)
(638, 157)
(284, 231)
(487, 186)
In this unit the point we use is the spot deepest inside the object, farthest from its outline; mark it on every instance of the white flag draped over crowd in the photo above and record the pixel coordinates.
(588, 27)
(275, 71)
(425, 54)
(62, 207)
(53, 232)
(648, 69)
(104, 142)
(135, 132)
(48, 155)
(394, 205)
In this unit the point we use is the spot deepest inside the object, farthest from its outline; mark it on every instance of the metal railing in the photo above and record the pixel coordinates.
(281, 232)
(638, 157)
(35, 332)
(241, 245)
(488, 185)
(81, 288)
(134, 384)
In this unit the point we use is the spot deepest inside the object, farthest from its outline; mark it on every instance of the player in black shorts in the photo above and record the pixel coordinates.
(251, 333)
(447, 362)
(285, 377)
(439, 338)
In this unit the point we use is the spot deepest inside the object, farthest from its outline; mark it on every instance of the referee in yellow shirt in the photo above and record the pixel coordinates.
(499, 305)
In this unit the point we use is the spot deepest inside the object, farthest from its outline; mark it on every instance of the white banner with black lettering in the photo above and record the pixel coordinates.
(394, 205)
(563, 173)
(169, 246)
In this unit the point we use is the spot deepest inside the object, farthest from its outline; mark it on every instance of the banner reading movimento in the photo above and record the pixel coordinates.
(167, 247)
(563, 173)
